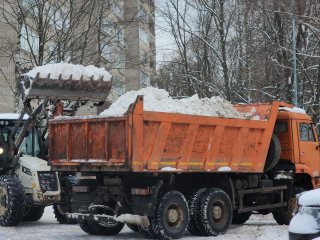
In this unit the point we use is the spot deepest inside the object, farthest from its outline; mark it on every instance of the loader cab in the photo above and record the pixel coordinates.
(30, 145)
(299, 142)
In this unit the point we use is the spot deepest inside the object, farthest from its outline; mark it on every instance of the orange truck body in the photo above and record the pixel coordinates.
(151, 141)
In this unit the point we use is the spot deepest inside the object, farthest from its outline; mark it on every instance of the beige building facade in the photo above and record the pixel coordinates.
(126, 49)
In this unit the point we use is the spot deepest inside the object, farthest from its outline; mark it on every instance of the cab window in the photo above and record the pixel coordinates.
(306, 132)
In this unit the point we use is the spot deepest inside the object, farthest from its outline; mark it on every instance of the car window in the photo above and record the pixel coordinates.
(306, 132)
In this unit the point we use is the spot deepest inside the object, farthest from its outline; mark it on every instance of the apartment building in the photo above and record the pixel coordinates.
(121, 38)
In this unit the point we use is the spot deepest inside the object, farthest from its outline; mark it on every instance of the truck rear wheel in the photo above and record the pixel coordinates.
(97, 228)
(172, 215)
(283, 215)
(214, 212)
(149, 232)
(274, 153)
(133, 227)
(240, 218)
(193, 201)
(11, 201)
(32, 214)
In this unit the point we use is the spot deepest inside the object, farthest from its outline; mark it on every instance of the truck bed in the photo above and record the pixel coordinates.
(156, 142)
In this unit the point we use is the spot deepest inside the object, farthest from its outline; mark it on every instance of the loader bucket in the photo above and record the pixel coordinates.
(65, 89)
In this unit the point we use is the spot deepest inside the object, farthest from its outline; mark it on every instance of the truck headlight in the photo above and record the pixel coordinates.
(1, 150)
(48, 181)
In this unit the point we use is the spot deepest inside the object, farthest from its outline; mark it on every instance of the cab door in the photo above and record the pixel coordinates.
(308, 147)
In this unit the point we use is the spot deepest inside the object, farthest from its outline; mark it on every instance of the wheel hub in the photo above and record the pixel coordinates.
(172, 215)
(3, 201)
(217, 212)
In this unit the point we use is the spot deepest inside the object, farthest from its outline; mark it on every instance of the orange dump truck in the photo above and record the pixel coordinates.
(163, 173)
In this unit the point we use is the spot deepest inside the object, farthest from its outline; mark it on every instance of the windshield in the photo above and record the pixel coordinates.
(26, 146)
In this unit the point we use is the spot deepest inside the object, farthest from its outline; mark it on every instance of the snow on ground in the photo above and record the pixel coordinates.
(258, 227)
(158, 100)
(66, 69)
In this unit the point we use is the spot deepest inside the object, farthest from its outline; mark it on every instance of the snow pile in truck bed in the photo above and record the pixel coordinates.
(158, 100)
(66, 69)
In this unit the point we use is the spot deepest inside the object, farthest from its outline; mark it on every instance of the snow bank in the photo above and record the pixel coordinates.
(12, 116)
(158, 100)
(303, 223)
(66, 69)
(295, 110)
(310, 198)
(170, 169)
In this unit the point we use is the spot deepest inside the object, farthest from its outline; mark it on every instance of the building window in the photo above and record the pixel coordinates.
(117, 10)
(143, 57)
(106, 52)
(120, 87)
(118, 34)
(143, 35)
(31, 7)
(119, 60)
(53, 52)
(29, 40)
(152, 44)
(144, 78)
(105, 26)
(153, 64)
(142, 14)
(55, 18)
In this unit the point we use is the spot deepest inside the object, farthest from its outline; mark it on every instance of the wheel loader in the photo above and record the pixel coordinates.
(27, 185)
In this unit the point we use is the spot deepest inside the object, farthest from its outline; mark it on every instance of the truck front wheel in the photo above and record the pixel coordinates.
(214, 212)
(283, 215)
(11, 201)
(172, 215)
(240, 218)
(32, 214)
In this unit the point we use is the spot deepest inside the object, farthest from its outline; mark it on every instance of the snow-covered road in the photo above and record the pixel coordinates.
(257, 228)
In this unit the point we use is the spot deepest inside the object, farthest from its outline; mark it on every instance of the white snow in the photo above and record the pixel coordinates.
(66, 69)
(282, 176)
(158, 100)
(303, 223)
(223, 169)
(294, 110)
(257, 117)
(170, 169)
(12, 116)
(310, 198)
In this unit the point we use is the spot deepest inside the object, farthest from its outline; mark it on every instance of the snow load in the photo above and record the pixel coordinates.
(294, 110)
(158, 100)
(66, 69)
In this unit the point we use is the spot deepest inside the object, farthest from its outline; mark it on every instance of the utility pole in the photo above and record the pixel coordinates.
(294, 57)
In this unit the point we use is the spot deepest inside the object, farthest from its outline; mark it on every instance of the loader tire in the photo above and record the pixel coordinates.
(60, 210)
(240, 218)
(32, 214)
(11, 201)
(283, 215)
(149, 232)
(214, 212)
(274, 153)
(193, 201)
(133, 227)
(96, 228)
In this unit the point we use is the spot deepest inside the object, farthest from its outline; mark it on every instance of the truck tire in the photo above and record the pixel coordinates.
(32, 214)
(172, 216)
(133, 227)
(214, 212)
(96, 228)
(60, 210)
(11, 201)
(240, 218)
(193, 200)
(274, 153)
(283, 215)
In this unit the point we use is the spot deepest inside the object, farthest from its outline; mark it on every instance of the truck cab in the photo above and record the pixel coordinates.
(299, 148)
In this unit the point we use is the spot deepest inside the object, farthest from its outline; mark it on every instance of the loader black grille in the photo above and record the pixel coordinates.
(48, 181)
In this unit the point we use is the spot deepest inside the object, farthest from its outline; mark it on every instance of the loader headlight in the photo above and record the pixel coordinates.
(1, 150)
(48, 181)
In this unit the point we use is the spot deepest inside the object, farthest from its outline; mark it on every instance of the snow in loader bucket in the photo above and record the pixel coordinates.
(57, 81)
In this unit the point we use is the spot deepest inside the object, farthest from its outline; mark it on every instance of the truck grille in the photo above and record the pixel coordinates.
(48, 181)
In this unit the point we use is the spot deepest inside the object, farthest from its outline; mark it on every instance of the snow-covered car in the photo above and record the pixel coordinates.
(305, 224)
